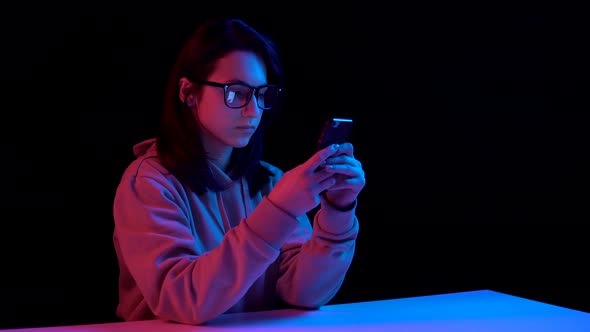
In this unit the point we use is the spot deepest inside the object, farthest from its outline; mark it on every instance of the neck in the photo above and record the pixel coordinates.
(220, 159)
(217, 152)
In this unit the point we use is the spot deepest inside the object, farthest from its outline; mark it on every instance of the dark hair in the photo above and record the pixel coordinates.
(178, 141)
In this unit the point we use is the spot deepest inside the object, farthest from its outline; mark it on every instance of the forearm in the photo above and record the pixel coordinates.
(193, 289)
(312, 274)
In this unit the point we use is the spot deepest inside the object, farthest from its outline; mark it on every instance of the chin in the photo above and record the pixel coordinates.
(241, 143)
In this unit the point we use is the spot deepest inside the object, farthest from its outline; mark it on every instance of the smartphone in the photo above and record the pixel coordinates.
(334, 131)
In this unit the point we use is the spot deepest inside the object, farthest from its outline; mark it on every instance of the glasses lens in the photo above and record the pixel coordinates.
(267, 96)
(237, 95)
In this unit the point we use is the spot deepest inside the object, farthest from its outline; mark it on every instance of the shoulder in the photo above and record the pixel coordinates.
(147, 183)
(146, 163)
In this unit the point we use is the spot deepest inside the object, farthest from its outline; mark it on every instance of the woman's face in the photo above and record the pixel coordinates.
(222, 127)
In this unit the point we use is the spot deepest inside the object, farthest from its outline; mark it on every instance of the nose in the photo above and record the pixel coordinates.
(251, 109)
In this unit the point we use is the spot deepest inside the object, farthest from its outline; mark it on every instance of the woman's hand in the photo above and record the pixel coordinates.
(298, 191)
(349, 175)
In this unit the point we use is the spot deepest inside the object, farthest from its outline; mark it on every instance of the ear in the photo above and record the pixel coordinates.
(184, 91)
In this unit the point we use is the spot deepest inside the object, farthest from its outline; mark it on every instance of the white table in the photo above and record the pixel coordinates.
(473, 311)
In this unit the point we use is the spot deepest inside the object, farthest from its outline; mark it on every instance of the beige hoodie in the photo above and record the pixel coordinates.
(189, 258)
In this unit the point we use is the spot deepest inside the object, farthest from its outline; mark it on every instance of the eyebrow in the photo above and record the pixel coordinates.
(245, 83)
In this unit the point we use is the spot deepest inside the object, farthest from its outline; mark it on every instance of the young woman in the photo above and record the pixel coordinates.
(203, 226)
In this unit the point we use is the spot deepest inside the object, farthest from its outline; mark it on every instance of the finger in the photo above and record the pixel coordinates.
(345, 171)
(319, 157)
(354, 183)
(345, 161)
(326, 184)
(346, 148)
(321, 175)
(342, 159)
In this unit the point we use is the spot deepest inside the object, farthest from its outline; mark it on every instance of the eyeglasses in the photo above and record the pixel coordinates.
(238, 95)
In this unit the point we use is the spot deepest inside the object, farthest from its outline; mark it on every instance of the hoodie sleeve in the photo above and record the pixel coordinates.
(313, 266)
(312, 273)
(177, 279)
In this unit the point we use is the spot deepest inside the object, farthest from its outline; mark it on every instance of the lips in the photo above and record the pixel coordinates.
(246, 129)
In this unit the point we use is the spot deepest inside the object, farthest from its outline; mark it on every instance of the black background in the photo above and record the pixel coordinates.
(471, 123)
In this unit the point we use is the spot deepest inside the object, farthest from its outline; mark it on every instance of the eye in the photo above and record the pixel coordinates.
(238, 91)
(231, 95)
